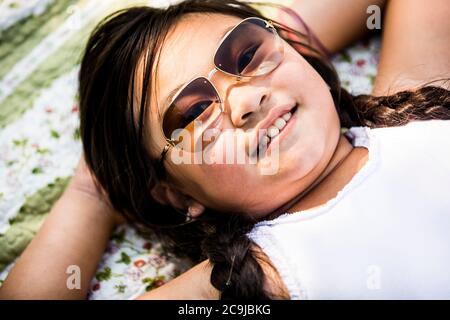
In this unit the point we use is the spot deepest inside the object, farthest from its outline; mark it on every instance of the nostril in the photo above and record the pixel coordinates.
(245, 116)
(263, 98)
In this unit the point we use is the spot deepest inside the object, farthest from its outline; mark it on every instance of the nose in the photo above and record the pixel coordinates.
(244, 102)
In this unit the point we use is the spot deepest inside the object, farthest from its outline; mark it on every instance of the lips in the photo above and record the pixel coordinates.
(272, 127)
(279, 124)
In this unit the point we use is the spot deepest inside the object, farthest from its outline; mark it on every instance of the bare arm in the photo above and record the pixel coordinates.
(75, 232)
(416, 45)
(195, 284)
(336, 23)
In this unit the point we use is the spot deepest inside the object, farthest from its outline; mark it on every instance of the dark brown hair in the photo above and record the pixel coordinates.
(113, 140)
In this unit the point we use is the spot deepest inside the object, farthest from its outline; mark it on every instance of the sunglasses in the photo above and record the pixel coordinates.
(252, 48)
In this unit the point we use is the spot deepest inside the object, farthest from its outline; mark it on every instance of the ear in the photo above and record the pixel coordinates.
(166, 194)
(195, 208)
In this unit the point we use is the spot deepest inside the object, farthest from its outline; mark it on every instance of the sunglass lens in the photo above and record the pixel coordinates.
(197, 101)
(251, 49)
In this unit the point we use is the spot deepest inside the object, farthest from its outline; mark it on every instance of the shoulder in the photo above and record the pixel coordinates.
(422, 143)
(416, 131)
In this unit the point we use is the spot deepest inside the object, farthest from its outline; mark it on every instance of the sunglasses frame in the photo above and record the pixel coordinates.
(239, 78)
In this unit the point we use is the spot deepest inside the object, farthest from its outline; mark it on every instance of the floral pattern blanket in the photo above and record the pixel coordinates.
(40, 46)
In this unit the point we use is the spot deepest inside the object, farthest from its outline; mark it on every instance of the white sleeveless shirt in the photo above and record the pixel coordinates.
(386, 235)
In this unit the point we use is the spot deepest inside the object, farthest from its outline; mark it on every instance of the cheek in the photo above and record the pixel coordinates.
(217, 186)
(315, 145)
(317, 127)
(318, 134)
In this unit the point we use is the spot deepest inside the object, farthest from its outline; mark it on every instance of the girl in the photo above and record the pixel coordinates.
(362, 213)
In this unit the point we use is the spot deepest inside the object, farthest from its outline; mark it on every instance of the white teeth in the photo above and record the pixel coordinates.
(287, 116)
(280, 123)
(265, 141)
(273, 131)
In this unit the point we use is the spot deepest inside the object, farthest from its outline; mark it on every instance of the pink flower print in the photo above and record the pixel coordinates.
(147, 246)
(139, 263)
(360, 63)
(96, 286)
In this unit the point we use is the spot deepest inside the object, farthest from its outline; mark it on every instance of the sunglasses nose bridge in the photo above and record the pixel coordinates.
(211, 74)
(209, 77)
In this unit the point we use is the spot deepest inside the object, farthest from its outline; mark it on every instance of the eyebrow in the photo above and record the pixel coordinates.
(174, 91)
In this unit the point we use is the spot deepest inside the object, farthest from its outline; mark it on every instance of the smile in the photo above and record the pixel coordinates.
(275, 129)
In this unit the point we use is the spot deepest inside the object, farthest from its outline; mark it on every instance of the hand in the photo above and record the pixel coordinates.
(84, 181)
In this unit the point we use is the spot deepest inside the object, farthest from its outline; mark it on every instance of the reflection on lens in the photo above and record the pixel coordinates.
(249, 35)
(180, 113)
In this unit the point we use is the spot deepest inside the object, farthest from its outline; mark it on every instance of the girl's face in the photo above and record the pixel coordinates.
(305, 145)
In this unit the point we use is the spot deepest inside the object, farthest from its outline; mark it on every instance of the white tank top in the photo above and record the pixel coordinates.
(386, 235)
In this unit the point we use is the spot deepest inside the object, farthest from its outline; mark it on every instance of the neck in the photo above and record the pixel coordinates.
(342, 151)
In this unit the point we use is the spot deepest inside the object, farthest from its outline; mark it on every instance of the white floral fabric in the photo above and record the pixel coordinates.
(40, 143)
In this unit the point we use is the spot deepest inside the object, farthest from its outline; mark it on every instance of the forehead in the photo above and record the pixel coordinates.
(188, 50)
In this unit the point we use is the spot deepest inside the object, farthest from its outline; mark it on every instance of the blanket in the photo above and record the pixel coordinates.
(41, 42)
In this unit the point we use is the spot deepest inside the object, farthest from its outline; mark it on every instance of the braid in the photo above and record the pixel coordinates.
(425, 103)
(237, 272)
